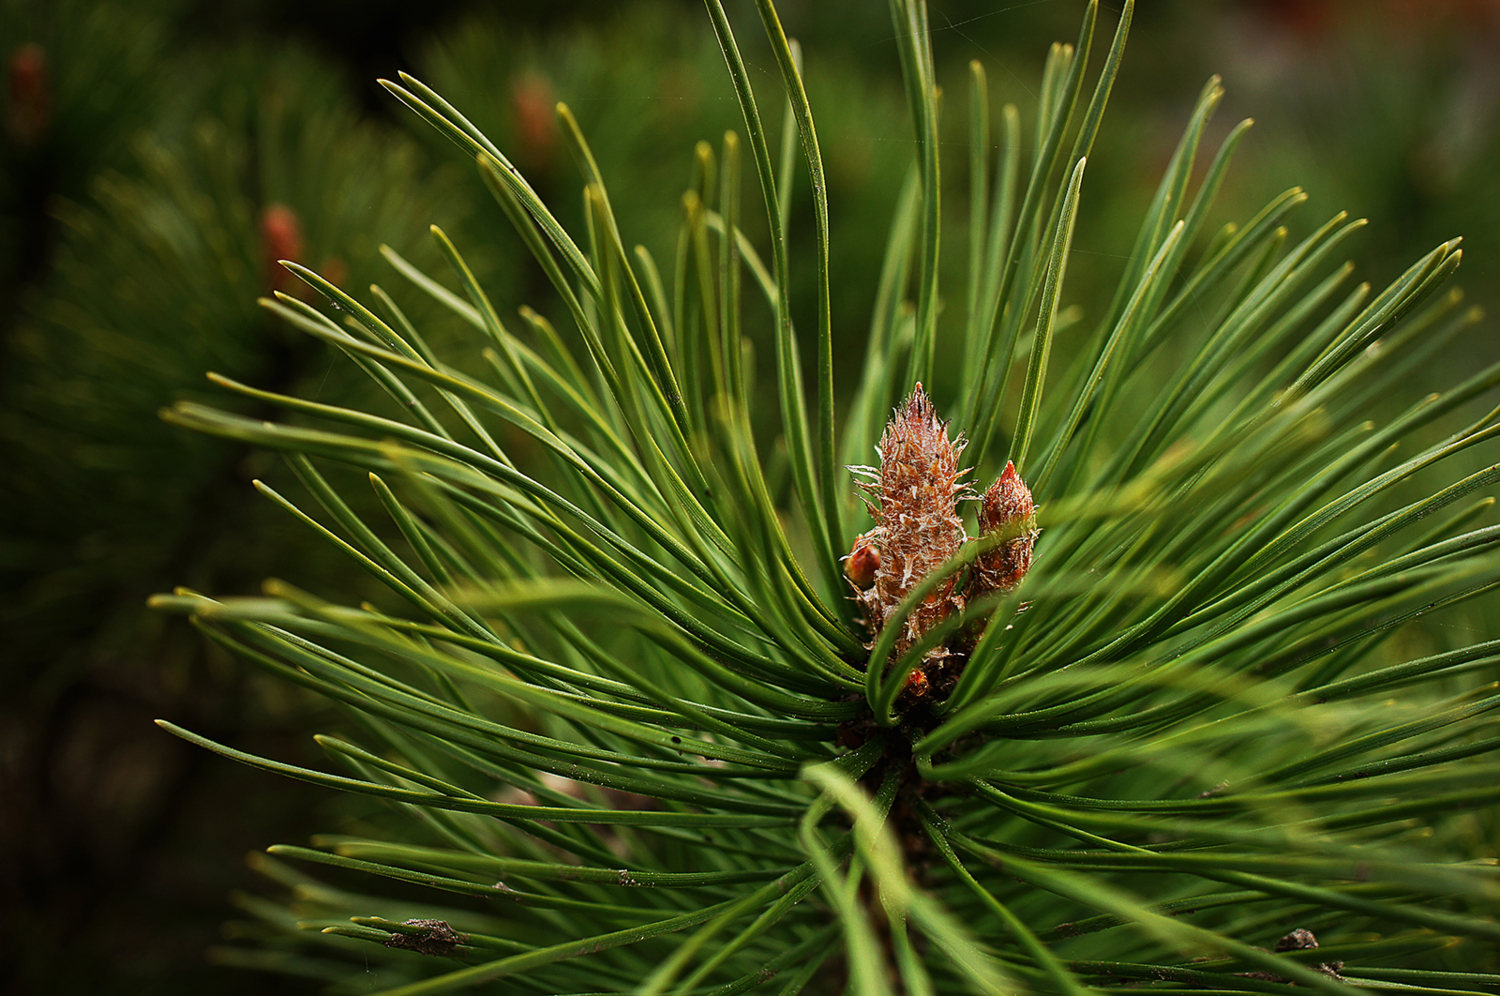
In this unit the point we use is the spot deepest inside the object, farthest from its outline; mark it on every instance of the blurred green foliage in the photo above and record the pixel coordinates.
(159, 154)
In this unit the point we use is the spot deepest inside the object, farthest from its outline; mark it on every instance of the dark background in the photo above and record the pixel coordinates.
(144, 144)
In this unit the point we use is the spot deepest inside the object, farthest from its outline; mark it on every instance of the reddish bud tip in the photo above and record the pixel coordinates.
(534, 102)
(863, 562)
(280, 238)
(29, 109)
(1007, 502)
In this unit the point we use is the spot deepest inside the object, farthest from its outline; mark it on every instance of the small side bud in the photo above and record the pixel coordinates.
(534, 103)
(1006, 502)
(863, 560)
(28, 111)
(1006, 506)
(280, 238)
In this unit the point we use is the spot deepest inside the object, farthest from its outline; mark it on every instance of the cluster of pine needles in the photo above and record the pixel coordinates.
(631, 729)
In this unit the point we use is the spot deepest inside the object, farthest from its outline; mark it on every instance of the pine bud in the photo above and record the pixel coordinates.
(1006, 506)
(534, 105)
(280, 238)
(29, 109)
(864, 560)
(913, 497)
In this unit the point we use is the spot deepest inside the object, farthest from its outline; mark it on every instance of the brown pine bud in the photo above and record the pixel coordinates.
(913, 496)
(1006, 506)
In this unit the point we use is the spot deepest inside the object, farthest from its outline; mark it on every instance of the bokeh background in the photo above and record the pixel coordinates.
(158, 155)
